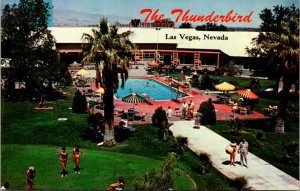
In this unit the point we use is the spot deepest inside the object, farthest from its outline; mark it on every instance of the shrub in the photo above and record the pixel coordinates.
(67, 79)
(234, 97)
(160, 120)
(205, 82)
(195, 81)
(259, 140)
(232, 69)
(254, 84)
(180, 144)
(95, 119)
(208, 113)
(204, 163)
(292, 153)
(163, 180)
(240, 183)
(235, 125)
(219, 71)
(79, 104)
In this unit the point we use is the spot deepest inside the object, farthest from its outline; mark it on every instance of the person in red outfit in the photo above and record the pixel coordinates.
(63, 157)
(76, 157)
(233, 145)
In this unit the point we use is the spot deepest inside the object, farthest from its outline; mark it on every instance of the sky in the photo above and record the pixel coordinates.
(132, 8)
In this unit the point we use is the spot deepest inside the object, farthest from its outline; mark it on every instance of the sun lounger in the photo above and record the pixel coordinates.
(149, 100)
(43, 108)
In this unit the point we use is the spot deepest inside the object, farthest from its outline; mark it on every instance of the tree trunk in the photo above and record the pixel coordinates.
(279, 127)
(281, 116)
(97, 75)
(109, 134)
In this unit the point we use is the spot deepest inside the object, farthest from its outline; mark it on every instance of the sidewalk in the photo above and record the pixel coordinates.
(259, 174)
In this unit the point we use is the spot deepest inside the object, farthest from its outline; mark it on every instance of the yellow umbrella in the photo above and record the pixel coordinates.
(153, 64)
(100, 90)
(82, 72)
(225, 86)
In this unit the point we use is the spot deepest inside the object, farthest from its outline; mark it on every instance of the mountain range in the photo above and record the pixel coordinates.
(65, 17)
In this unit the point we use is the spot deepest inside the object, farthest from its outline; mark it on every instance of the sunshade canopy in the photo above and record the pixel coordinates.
(133, 98)
(75, 64)
(225, 86)
(153, 64)
(82, 72)
(247, 93)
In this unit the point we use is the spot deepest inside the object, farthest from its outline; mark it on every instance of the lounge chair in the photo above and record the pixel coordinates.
(130, 117)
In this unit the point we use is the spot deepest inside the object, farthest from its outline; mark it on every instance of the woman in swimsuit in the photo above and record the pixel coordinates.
(63, 157)
(76, 157)
(30, 174)
(232, 155)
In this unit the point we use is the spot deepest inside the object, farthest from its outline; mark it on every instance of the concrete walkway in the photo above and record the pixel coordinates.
(259, 174)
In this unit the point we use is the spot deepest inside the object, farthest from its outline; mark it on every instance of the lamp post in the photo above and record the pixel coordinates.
(157, 55)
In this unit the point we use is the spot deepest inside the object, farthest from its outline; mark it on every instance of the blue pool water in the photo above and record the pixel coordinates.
(152, 88)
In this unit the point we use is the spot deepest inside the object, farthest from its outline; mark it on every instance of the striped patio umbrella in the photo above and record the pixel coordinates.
(247, 93)
(133, 98)
(225, 87)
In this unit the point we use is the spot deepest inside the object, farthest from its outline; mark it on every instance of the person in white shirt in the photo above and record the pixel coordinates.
(184, 110)
(5, 186)
(191, 107)
(169, 113)
(243, 150)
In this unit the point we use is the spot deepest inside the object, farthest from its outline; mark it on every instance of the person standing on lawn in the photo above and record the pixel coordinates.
(76, 157)
(30, 174)
(243, 151)
(63, 157)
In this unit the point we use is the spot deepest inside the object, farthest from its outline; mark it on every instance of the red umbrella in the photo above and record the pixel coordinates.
(247, 93)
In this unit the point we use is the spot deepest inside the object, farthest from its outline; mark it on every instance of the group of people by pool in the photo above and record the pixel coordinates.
(187, 109)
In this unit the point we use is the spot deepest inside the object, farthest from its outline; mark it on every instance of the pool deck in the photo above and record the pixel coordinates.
(223, 111)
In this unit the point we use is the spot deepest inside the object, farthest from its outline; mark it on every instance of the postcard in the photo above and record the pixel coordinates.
(150, 95)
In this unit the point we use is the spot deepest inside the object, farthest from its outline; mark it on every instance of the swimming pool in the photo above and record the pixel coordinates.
(152, 88)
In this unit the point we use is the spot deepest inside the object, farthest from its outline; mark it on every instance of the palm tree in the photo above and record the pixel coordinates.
(111, 52)
(281, 48)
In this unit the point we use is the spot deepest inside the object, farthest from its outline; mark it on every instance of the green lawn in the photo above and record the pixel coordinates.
(99, 168)
(22, 125)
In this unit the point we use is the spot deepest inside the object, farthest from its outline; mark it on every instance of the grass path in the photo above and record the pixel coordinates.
(99, 168)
